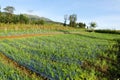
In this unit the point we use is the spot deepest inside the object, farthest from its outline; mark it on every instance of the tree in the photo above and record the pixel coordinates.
(81, 25)
(0, 9)
(65, 19)
(15, 19)
(0, 15)
(9, 9)
(23, 19)
(39, 22)
(93, 25)
(9, 13)
(73, 19)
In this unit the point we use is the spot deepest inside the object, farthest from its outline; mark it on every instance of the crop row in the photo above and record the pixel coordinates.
(21, 32)
(10, 72)
(58, 57)
(18, 29)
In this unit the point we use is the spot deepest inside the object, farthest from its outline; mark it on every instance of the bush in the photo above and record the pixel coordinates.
(108, 31)
(39, 22)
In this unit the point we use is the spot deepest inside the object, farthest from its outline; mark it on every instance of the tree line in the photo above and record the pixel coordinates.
(72, 22)
(8, 16)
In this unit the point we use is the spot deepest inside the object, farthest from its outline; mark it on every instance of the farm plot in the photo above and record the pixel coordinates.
(9, 72)
(22, 32)
(21, 29)
(62, 57)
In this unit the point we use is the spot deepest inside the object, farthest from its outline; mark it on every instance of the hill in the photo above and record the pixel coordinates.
(35, 17)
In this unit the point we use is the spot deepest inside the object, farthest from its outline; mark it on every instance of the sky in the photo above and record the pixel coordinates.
(106, 13)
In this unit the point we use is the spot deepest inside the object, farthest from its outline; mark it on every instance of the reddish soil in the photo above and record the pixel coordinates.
(28, 35)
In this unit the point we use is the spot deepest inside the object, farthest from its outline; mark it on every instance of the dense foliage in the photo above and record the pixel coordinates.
(22, 19)
(73, 19)
(9, 17)
(81, 25)
(108, 31)
(8, 72)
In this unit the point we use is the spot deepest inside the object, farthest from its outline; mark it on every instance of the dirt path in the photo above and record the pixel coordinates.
(42, 34)
(28, 35)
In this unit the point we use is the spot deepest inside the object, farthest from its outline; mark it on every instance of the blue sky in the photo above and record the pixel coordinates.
(106, 13)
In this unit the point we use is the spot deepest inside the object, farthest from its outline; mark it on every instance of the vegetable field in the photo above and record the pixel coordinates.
(20, 29)
(90, 56)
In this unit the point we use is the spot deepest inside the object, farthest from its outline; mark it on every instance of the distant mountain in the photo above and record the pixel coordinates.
(35, 17)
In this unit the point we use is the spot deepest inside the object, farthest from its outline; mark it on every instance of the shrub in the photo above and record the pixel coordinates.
(108, 31)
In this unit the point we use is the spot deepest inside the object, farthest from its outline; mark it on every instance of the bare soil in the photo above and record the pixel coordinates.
(28, 35)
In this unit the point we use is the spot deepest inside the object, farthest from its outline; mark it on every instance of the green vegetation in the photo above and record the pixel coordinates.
(19, 29)
(9, 17)
(92, 26)
(65, 20)
(70, 56)
(8, 72)
(108, 31)
(81, 25)
(73, 19)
